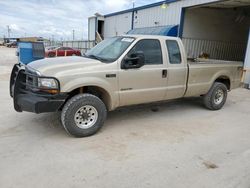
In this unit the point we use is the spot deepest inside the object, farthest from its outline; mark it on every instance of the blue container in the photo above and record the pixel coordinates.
(30, 51)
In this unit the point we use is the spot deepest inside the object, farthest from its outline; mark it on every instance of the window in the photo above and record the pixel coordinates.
(151, 49)
(173, 52)
(64, 48)
(110, 49)
(67, 48)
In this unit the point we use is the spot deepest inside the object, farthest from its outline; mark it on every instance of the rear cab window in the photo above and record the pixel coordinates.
(174, 52)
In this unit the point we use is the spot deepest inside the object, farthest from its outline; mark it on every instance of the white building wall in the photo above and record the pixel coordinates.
(120, 24)
(117, 25)
(92, 28)
(169, 16)
(247, 63)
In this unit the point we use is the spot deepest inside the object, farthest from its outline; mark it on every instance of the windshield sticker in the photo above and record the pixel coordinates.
(127, 40)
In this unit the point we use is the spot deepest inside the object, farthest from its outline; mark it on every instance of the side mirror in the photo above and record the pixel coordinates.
(135, 60)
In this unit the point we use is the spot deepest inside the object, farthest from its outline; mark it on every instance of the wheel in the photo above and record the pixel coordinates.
(216, 97)
(83, 115)
(51, 55)
(73, 54)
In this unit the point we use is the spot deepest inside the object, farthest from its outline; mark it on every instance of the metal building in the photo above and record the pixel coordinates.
(218, 29)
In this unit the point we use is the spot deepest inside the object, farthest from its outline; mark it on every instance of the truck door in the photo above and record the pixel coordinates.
(147, 83)
(177, 70)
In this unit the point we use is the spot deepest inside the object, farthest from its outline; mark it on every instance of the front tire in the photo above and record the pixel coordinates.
(83, 115)
(216, 97)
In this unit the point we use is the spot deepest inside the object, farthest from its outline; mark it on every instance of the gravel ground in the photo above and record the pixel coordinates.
(180, 144)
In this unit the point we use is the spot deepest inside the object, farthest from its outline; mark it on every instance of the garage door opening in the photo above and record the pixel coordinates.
(217, 31)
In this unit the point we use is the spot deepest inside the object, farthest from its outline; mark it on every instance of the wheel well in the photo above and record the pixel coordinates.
(225, 80)
(94, 90)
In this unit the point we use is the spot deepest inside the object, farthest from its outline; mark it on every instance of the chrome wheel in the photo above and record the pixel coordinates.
(86, 117)
(219, 96)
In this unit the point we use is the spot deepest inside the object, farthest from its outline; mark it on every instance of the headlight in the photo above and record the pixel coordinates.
(48, 83)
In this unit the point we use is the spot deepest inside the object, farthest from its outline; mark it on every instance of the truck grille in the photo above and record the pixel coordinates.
(25, 81)
(31, 80)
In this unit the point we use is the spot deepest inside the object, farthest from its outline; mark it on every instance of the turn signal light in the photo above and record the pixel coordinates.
(51, 91)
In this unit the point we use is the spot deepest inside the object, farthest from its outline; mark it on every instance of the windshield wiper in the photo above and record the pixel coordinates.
(95, 57)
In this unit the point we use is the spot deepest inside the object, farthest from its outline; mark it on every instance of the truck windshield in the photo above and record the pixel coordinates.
(110, 49)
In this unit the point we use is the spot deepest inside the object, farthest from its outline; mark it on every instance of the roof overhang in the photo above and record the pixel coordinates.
(223, 4)
(141, 7)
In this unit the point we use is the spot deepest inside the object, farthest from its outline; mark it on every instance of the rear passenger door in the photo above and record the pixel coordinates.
(147, 83)
(177, 70)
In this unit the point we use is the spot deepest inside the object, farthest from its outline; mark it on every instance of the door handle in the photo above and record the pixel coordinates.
(164, 73)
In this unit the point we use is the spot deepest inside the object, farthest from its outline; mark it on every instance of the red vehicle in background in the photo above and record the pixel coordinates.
(61, 51)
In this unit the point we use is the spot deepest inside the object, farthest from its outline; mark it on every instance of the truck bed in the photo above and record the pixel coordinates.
(203, 73)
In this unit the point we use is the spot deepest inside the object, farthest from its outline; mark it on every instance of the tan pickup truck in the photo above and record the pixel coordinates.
(119, 71)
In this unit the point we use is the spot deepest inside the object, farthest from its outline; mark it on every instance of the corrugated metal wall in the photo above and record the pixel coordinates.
(154, 16)
(170, 16)
(117, 25)
(215, 49)
(247, 64)
(82, 45)
(92, 28)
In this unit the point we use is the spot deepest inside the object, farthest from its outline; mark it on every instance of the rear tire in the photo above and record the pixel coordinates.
(216, 96)
(83, 115)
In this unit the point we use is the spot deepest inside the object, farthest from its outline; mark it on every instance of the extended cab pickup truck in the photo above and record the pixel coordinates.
(119, 71)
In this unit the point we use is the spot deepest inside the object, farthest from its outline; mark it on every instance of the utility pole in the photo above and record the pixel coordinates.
(133, 15)
(8, 30)
(52, 40)
(73, 32)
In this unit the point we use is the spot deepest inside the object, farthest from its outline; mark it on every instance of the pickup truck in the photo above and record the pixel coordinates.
(119, 71)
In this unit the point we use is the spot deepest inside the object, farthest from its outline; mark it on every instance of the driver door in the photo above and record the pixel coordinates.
(147, 83)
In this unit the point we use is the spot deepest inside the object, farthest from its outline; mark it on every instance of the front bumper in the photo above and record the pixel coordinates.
(27, 97)
(36, 104)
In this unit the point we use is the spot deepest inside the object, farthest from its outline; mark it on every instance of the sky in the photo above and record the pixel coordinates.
(56, 18)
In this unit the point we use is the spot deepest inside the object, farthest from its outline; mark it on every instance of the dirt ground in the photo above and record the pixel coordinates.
(179, 145)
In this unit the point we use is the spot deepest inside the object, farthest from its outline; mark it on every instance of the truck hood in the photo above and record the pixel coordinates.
(53, 66)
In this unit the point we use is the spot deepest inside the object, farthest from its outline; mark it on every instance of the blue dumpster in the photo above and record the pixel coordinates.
(30, 51)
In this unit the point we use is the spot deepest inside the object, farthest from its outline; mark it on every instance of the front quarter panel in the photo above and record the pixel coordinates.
(97, 78)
